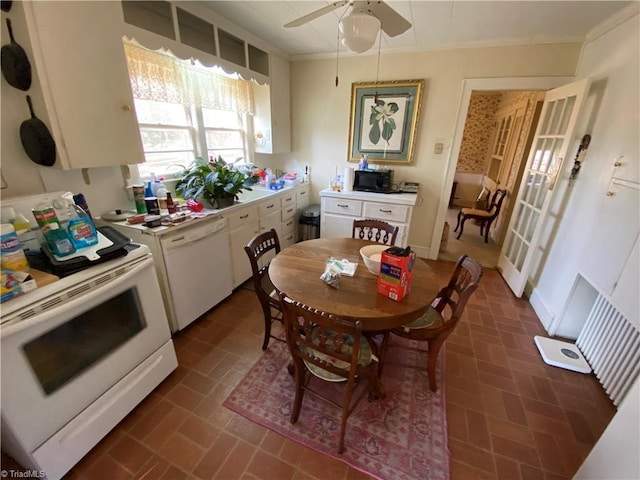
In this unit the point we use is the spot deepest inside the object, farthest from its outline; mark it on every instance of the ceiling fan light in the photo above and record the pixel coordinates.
(359, 31)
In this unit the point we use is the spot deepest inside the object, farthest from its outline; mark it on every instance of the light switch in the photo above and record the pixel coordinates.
(438, 148)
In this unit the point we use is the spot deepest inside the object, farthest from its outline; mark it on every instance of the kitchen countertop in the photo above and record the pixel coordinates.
(255, 195)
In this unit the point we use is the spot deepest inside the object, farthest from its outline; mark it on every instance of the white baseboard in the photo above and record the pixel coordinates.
(545, 314)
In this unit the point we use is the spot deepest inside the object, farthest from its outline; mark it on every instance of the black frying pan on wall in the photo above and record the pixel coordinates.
(16, 67)
(37, 140)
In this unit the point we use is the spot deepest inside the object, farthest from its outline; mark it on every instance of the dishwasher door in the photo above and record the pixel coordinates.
(198, 266)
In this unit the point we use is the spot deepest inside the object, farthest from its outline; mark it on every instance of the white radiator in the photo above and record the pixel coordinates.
(611, 345)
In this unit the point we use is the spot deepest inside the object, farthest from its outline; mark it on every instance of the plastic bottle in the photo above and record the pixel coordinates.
(59, 241)
(12, 255)
(82, 203)
(21, 224)
(80, 226)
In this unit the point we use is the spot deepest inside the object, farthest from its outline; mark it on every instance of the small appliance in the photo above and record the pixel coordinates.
(379, 181)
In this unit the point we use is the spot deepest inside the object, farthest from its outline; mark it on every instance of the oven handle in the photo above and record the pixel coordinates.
(42, 317)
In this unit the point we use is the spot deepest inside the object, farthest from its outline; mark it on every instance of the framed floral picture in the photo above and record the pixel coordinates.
(384, 120)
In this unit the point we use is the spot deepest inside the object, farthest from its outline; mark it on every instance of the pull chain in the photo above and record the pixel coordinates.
(375, 97)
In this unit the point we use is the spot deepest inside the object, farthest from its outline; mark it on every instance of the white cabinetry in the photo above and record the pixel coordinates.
(340, 209)
(288, 217)
(614, 237)
(79, 59)
(272, 122)
(243, 226)
(614, 270)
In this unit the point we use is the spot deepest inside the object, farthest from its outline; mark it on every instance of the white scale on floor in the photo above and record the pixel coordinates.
(562, 354)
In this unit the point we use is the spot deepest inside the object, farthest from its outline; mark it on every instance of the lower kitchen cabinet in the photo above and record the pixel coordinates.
(243, 226)
(340, 209)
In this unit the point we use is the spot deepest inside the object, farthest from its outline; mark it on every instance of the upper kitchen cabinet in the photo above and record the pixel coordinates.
(190, 30)
(79, 59)
(272, 122)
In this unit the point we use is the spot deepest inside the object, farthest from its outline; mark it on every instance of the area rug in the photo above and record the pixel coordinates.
(402, 437)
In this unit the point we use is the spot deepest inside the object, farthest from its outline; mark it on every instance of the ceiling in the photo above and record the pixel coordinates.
(436, 24)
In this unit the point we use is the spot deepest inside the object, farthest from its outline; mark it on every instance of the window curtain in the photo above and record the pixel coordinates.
(164, 78)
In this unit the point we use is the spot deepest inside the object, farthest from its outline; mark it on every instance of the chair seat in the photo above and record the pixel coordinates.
(364, 357)
(431, 319)
(476, 213)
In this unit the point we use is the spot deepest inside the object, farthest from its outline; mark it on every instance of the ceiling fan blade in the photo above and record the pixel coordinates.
(392, 23)
(318, 13)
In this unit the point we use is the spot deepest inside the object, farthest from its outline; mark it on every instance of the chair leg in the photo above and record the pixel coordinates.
(297, 402)
(434, 349)
(486, 231)
(267, 327)
(458, 224)
(464, 219)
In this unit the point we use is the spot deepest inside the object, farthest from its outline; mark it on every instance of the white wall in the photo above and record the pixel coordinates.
(611, 118)
(320, 111)
(612, 61)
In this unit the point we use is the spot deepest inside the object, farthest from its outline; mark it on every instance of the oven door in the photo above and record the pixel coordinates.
(57, 362)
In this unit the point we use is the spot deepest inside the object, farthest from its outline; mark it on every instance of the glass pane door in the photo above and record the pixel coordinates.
(553, 137)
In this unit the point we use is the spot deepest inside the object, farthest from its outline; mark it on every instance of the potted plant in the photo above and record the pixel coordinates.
(213, 182)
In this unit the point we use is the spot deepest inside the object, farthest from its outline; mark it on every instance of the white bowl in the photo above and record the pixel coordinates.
(371, 255)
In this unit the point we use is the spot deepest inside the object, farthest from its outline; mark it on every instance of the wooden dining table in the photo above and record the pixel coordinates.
(296, 272)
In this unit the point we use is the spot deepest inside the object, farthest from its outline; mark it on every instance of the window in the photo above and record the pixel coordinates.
(186, 110)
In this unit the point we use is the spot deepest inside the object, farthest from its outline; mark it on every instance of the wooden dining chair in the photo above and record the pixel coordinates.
(327, 348)
(441, 318)
(485, 217)
(257, 250)
(375, 230)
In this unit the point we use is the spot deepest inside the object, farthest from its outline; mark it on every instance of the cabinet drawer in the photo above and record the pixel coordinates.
(289, 225)
(242, 217)
(288, 212)
(386, 211)
(343, 206)
(288, 199)
(302, 197)
(269, 207)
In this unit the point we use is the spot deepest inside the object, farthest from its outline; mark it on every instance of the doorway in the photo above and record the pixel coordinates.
(476, 246)
(496, 139)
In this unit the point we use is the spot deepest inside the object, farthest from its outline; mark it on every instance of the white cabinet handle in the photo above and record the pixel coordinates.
(386, 211)
(242, 217)
(343, 205)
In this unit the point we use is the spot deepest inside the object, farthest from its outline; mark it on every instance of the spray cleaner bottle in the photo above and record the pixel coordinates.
(81, 229)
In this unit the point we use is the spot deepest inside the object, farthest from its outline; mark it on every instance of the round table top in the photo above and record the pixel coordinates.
(296, 272)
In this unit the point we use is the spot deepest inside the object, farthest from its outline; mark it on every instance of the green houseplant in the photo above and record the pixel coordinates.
(215, 182)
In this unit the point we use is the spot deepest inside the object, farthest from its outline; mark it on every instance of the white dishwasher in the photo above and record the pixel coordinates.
(198, 266)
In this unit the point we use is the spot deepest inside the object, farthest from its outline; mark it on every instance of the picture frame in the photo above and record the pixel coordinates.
(384, 120)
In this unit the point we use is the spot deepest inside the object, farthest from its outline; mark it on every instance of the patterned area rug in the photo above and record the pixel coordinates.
(402, 437)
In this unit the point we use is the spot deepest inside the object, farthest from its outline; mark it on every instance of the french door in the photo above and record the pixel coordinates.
(553, 137)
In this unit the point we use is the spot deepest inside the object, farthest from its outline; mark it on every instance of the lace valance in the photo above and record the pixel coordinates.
(165, 78)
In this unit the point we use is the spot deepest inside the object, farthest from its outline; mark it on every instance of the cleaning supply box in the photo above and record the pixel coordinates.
(396, 266)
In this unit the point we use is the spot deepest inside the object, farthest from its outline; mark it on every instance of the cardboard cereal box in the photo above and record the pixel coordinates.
(395, 276)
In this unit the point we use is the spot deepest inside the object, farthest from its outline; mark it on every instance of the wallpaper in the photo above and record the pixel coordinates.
(477, 132)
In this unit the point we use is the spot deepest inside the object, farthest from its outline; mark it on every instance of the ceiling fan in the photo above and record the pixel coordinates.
(361, 26)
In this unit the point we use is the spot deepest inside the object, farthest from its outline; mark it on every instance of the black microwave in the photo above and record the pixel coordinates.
(380, 181)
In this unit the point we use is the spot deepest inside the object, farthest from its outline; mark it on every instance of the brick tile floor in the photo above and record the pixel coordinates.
(510, 416)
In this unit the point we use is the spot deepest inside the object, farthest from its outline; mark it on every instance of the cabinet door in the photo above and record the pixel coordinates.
(612, 240)
(79, 58)
(625, 293)
(239, 237)
(335, 226)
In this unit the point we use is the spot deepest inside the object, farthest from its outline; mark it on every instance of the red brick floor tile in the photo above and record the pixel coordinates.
(130, 453)
(509, 415)
(268, 467)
